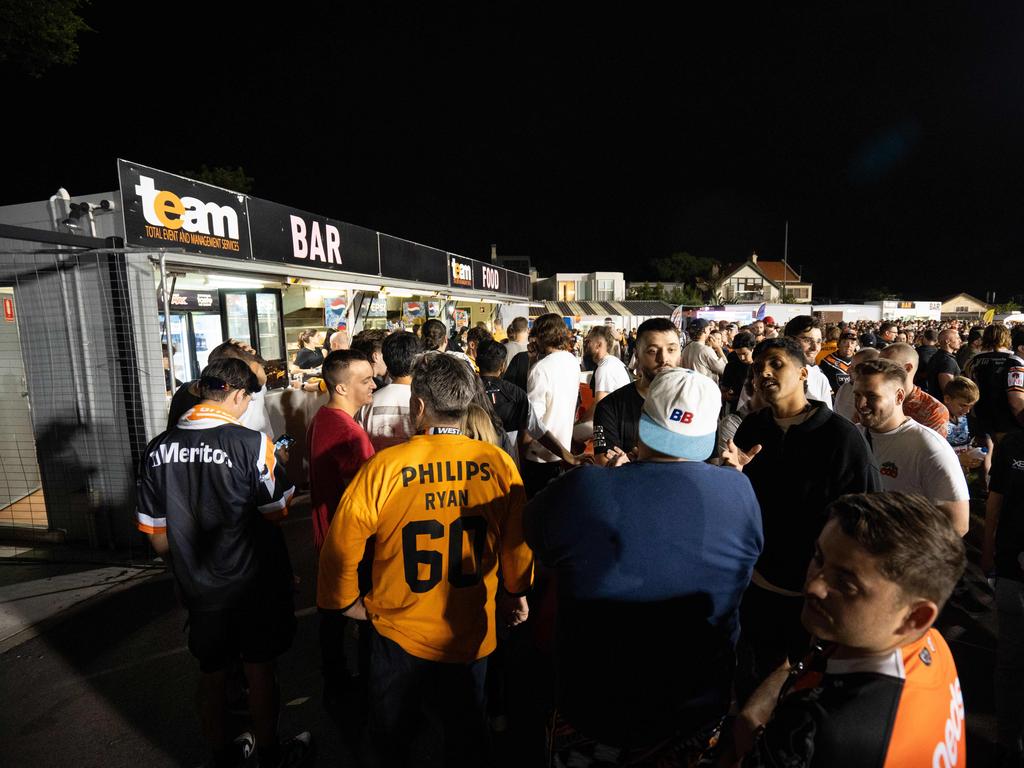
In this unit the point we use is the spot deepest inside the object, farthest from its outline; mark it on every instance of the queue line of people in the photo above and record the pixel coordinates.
(715, 597)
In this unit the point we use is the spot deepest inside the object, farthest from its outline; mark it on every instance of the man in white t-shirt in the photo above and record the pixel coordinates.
(518, 333)
(806, 330)
(552, 387)
(698, 355)
(610, 373)
(911, 458)
(386, 420)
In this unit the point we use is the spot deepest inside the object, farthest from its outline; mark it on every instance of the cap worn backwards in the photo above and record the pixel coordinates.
(680, 414)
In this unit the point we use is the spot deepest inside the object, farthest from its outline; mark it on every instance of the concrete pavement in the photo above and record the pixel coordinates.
(110, 682)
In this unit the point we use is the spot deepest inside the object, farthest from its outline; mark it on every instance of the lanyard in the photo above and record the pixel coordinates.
(444, 431)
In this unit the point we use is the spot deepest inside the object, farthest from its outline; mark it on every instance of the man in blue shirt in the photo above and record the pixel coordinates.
(651, 559)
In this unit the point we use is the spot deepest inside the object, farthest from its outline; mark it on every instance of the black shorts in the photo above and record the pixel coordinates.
(255, 629)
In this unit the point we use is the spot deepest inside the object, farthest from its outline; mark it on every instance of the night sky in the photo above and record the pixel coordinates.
(889, 137)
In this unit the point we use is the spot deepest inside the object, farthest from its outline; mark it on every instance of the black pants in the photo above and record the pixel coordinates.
(537, 474)
(406, 692)
(770, 631)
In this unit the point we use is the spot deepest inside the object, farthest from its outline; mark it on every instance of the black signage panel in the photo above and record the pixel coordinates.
(162, 210)
(518, 284)
(280, 233)
(488, 277)
(194, 301)
(402, 260)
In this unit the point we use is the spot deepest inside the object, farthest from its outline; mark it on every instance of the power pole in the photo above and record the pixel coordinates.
(785, 262)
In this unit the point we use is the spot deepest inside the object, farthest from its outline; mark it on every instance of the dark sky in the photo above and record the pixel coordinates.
(890, 137)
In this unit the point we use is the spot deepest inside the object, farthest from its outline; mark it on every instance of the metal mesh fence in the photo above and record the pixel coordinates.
(77, 401)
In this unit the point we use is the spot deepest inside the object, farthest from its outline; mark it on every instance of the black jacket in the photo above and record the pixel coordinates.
(796, 475)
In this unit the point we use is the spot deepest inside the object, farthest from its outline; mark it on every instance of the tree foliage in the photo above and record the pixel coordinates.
(683, 267)
(657, 292)
(647, 292)
(35, 36)
(228, 178)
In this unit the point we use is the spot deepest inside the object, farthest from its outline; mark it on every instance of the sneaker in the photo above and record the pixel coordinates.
(246, 745)
(296, 750)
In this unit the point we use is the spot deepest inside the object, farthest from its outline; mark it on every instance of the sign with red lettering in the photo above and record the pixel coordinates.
(8, 309)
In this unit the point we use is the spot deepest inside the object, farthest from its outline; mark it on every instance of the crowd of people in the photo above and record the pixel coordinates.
(724, 546)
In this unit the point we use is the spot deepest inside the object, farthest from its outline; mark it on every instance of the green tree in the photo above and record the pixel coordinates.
(1007, 307)
(647, 292)
(35, 35)
(686, 295)
(881, 293)
(683, 267)
(229, 178)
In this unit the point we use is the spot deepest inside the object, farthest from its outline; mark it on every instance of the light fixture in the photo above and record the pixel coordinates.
(397, 293)
(330, 285)
(230, 281)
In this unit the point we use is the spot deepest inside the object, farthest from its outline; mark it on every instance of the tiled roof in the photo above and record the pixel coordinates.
(774, 271)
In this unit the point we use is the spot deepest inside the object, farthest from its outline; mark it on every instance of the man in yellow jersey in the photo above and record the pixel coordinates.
(446, 511)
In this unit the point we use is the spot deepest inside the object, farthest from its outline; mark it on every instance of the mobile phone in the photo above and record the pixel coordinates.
(285, 441)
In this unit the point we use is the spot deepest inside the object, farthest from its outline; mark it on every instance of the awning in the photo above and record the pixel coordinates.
(609, 308)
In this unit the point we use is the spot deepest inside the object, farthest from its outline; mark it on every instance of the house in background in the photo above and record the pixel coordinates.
(963, 306)
(581, 286)
(760, 281)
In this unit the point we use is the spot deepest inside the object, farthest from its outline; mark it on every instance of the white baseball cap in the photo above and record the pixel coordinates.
(680, 414)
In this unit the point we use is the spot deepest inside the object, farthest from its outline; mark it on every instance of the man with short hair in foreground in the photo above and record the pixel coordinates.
(882, 688)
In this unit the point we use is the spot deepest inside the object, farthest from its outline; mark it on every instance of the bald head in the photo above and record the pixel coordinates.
(903, 355)
(340, 340)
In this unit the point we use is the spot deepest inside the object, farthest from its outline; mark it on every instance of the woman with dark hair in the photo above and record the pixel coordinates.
(309, 357)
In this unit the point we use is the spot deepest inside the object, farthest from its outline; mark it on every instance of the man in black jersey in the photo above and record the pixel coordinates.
(509, 401)
(881, 688)
(657, 349)
(209, 493)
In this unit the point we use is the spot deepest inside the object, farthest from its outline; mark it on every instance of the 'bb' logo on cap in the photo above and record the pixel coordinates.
(684, 417)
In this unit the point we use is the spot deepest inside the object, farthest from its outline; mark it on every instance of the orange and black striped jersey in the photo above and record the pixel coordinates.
(894, 711)
(836, 370)
(214, 486)
(445, 511)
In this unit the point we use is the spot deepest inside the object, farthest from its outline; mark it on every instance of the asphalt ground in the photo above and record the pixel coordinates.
(112, 684)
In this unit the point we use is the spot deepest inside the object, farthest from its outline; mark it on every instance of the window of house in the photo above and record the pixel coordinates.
(747, 284)
(605, 290)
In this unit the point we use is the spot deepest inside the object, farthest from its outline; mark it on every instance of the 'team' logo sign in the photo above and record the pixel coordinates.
(461, 272)
(168, 211)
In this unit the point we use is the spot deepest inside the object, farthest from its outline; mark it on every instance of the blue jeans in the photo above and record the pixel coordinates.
(1010, 663)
